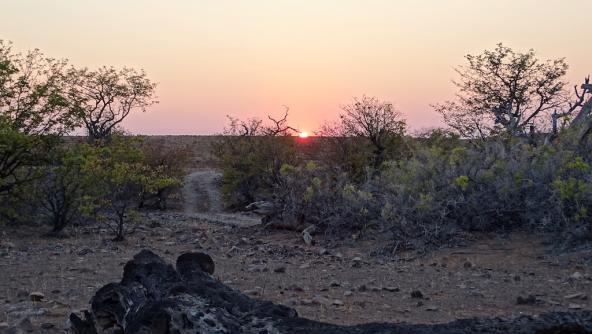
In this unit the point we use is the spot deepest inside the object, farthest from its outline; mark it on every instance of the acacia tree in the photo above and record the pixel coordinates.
(34, 110)
(105, 97)
(376, 120)
(504, 90)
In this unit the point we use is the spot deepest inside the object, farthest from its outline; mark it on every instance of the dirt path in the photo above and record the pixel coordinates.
(202, 200)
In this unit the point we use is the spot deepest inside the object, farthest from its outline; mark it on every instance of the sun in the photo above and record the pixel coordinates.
(303, 135)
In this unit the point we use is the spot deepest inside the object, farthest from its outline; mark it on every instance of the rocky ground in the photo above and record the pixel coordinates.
(44, 279)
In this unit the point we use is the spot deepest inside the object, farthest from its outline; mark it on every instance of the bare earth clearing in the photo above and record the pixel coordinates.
(504, 275)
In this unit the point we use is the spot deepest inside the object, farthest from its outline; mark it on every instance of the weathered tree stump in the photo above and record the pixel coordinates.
(154, 297)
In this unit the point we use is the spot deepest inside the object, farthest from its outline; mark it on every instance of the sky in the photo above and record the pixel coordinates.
(248, 58)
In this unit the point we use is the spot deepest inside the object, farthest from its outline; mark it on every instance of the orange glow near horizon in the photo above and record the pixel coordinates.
(213, 58)
(303, 135)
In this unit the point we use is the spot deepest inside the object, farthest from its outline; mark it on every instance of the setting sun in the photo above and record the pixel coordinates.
(303, 135)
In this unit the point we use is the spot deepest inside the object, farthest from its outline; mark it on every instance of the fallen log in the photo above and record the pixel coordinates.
(155, 297)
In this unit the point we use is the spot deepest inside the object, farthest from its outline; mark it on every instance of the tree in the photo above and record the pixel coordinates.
(376, 120)
(35, 111)
(105, 97)
(120, 180)
(502, 89)
(64, 187)
(33, 95)
(250, 156)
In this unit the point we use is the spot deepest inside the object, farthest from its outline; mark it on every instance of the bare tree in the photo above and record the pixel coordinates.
(582, 121)
(504, 90)
(256, 126)
(105, 97)
(376, 120)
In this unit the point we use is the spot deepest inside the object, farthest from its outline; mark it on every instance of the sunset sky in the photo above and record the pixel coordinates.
(248, 58)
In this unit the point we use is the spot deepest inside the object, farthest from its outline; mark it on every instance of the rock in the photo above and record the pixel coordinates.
(357, 262)
(467, 264)
(156, 297)
(334, 284)
(304, 266)
(338, 302)
(348, 293)
(252, 292)
(529, 300)
(294, 287)
(391, 289)
(47, 325)
(416, 294)
(308, 233)
(575, 306)
(36, 296)
(320, 300)
(84, 251)
(196, 262)
(323, 251)
(279, 270)
(432, 308)
(579, 295)
(576, 276)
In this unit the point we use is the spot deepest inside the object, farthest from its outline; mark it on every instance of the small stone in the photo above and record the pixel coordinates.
(253, 292)
(320, 300)
(36, 296)
(296, 288)
(577, 275)
(348, 293)
(279, 270)
(416, 294)
(391, 289)
(334, 284)
(84, 251)
(530, 300)
(338, 302)
(432, 308)
(339, 255)
(575, 307)
(467, 264)
(47, 325)
(362, 288)
(304, 266)
(579, 295)
(308, 302)
(323, 251)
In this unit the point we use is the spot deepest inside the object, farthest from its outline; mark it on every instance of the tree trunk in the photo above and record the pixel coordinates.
(154, 297)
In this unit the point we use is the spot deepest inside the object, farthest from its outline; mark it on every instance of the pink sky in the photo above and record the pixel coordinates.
(248, 58)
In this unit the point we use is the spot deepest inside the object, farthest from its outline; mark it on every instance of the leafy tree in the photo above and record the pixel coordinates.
(105, 97)
(121, 178)
(505, 90)
(34, 111)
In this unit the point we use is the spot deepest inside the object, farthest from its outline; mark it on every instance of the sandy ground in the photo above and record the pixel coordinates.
(337, 284)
